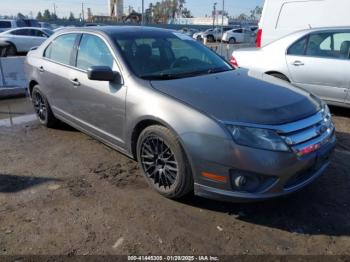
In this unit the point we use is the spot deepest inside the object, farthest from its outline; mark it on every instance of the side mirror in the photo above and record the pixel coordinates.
(103, 73)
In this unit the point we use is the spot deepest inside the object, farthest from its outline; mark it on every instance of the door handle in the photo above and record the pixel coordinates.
(41, 69)
(75, 82)
(298, 63)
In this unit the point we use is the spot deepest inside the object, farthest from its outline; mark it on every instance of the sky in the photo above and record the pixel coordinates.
(99, 7)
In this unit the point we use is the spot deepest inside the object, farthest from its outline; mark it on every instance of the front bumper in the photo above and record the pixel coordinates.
(289, 179)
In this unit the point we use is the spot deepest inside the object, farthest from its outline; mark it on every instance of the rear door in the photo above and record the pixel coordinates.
(99, 106)
(37, 37)
(320, 64)
(54, 70)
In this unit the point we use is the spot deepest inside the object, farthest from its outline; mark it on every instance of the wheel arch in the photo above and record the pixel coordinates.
(141, 125)
(272, 72)
(31, 85)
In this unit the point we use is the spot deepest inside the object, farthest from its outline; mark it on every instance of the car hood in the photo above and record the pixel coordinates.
(242, 96)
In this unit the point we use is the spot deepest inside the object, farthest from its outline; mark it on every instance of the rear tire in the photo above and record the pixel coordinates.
(164, 163)
(211, 38)
(280, 76)
(232, 40)
(11, 50)
(42, 108)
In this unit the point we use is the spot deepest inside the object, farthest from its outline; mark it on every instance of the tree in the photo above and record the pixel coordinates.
(39, 16)
(20, 16)
(47, 15)
(242, 17)
(54, 17)
(169, 9)
(71, 17)
(255, 14)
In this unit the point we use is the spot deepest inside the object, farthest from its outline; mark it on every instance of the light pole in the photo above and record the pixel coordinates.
(214, 14)
(222, 25)
(143, 13)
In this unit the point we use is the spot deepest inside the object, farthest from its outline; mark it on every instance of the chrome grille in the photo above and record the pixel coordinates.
(313, 131)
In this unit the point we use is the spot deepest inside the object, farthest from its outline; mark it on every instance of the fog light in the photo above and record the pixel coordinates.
(250, 182)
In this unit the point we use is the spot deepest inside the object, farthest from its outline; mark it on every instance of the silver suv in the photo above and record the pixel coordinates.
(189, 119)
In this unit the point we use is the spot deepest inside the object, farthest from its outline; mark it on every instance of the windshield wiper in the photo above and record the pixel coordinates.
(186, 74)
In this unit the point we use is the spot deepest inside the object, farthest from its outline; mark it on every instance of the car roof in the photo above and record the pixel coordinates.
(20, 28)
(318, 29)
(114, 29)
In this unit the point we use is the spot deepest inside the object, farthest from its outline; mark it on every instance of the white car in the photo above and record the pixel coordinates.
(23, 39)
(317, 60)
(211, 35)
(239, 35)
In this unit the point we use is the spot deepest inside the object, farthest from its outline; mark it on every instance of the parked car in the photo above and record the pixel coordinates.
(239, 35)
(21, 40)
(211, 35)
(189, 118)
(7, 24)
(282, 17)
(188, 31)
(46, 25)
(315, 59)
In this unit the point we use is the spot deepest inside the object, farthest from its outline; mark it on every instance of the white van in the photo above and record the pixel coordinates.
(282, 17)
(7, 24)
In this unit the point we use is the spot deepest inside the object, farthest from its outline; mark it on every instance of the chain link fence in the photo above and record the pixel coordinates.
(225, 50)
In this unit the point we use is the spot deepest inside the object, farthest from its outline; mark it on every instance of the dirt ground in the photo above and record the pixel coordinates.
(64, 193)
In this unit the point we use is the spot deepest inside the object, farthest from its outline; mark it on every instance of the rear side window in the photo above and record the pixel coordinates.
(329, 45)
(93, 51)
(298, 48)
(60, 50)
(22, 32)
(5, 24)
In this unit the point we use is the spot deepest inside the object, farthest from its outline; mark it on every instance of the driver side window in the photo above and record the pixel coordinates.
(93, 51)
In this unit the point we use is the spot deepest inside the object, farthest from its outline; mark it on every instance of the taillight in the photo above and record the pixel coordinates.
(233, 62)
(259, 38)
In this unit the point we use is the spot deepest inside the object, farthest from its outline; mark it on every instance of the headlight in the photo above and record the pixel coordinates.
(257, 138)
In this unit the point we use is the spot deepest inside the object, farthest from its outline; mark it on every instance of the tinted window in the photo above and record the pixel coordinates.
(238, 31)
(298, 48)
(37, 33)
(22, 32)
(60, 49)
(93, 52)
(329, 45)
(167, 55)
(5, 24)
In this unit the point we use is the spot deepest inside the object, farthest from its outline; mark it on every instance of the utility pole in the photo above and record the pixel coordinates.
(82, 11)
(143, 13)
(222, 24)
(214, 14)
(54, 9)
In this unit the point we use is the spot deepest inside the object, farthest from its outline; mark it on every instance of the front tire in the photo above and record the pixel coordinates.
(42, 108)
(164, 163)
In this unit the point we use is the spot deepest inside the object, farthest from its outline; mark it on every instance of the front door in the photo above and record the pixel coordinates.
(99, 106)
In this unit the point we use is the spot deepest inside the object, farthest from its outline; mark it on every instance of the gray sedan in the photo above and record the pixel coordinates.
(317, 60)
(191, 121)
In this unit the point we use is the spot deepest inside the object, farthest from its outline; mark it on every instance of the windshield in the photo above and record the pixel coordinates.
(159, 55)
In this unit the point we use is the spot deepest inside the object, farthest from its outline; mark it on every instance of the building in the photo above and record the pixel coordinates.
(116, 8)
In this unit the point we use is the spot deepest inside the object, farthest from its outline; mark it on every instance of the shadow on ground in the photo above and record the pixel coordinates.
(13, 184)
(322, 208)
